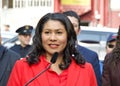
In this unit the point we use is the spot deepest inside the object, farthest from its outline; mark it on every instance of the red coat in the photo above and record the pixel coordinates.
(77, 75)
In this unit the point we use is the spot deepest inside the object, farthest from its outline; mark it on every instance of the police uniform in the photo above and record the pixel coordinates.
(23, 51)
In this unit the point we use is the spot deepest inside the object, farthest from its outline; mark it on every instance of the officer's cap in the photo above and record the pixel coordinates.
(24, 30)
(112, 37)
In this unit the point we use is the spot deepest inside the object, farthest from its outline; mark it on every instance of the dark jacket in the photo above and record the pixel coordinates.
(22, 51)
(7, 60)
(111, 72)
(91, 57)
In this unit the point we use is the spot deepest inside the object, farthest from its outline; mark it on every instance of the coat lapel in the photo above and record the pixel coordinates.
(43, 76)
(73, 74)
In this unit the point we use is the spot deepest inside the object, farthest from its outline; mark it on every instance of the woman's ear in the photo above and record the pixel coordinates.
(79, 30)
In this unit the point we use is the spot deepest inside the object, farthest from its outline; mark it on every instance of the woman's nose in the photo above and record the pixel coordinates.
(53, 37)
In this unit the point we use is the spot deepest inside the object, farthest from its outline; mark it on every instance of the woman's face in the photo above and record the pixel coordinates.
(54, 37)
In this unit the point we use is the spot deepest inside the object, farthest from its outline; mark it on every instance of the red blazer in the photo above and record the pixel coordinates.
(77, 75)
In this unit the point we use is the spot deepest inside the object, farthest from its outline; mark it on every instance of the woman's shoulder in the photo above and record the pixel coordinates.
(22, 61)
(85, 69)
(86, 66)
(88, 69)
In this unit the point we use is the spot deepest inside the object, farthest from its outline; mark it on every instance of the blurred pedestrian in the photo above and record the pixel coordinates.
(24, 36)
(89, 55)
(111, 66)
(6, 27)
(54, 33)
(111, 42)
(7, 60)
(110, 45)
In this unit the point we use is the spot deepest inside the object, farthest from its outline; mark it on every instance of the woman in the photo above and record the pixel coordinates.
(54, 33)
(111, 67)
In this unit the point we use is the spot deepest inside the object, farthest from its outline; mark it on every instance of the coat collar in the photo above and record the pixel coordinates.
(73, 73)
(41, 66)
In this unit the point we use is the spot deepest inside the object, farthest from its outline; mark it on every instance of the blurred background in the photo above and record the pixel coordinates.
(99, 18)
(101, 13)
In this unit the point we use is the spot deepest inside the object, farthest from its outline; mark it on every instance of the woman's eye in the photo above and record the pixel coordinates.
(47, 32)
(59, 32)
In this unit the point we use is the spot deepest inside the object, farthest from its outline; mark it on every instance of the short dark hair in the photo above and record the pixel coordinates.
(6, 25)
(73, 14)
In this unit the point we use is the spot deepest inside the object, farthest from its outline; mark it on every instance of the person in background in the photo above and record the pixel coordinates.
(54, 33)
(111, 42)
(24, 36)
(6, 27)
(111, 66)
(110, 45)
(7, 61)
(89, 55)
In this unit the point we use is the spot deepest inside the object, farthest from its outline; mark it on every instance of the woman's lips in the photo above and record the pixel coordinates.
(53, 45)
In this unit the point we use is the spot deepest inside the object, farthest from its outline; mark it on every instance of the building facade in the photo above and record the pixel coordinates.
(99, 13)
(17, 13)
(104, 13)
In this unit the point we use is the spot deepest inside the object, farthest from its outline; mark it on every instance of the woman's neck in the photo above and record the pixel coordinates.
(55, 66)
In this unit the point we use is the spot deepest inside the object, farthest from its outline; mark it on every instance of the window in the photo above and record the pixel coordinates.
(115, 4)
(31, 3)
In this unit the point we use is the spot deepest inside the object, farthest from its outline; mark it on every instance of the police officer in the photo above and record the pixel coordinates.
(24, 36)
(111, 42)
